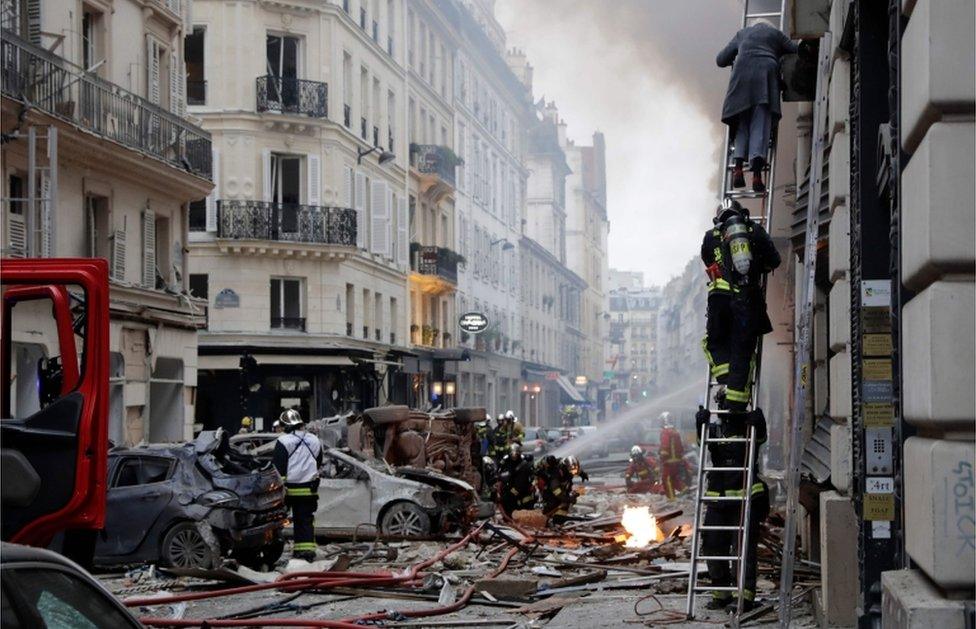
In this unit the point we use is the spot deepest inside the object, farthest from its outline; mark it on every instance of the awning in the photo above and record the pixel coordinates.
(570, 390)
(234, 362)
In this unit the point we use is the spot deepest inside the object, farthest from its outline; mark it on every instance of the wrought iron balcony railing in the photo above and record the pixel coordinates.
(439, 261)
(292, 96)
(288, 323)
(44, 80)
(286, 222)
(435, 160)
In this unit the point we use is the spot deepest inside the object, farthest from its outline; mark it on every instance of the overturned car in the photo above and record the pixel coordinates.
(186, 505)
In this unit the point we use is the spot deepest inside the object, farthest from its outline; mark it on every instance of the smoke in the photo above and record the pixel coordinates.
(644, 73)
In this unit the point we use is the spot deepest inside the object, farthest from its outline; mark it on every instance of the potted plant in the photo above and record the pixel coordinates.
(426, 335)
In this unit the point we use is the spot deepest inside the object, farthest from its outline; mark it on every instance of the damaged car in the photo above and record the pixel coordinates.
(186, 505)
(366, 496)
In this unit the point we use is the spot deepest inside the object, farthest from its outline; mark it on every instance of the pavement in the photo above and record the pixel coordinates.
(639, 587)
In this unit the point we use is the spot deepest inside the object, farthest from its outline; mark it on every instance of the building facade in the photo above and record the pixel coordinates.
(633, 329)
(99, 160)
(303, 248)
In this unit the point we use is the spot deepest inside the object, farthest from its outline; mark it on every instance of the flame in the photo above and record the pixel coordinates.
(641, 527)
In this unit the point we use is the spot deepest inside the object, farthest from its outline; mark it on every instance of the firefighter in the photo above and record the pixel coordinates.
(297, 457)
(640, 472)
(737, 254)
(498, 440)
(489, 471)
(671, 454)
(548, 477)
(515, 476)
(246, 425)
(517, 431)
(725, 513)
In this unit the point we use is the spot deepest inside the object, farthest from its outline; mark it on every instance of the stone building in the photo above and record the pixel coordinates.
(99, 160)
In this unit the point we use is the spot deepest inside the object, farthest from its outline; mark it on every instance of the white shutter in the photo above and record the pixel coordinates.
(16, 236)
(187, 16)
(359, 202)
(379, 217)
(47, 218)
(314, 180)
(148, 248)
(391, 207)
(181, 88)
(347, 184)
(403, 234)
(266, 174)
(174, 83)
(152, 70)
(214, 195)
(118, 255)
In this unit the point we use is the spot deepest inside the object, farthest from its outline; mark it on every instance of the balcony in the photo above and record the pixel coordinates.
(36, 77)
(286, 222)
(292, 96)
(437, 266)
(288, 323)
(436, 165)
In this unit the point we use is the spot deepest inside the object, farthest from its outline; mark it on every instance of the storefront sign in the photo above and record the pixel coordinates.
(473, 322)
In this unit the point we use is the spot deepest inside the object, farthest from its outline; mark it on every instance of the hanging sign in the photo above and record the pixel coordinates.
(473, 322)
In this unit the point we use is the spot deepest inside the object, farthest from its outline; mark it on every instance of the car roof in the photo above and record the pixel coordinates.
(169, 450)
(17, 553)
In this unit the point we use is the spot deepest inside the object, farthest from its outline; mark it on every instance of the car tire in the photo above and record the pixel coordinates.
(262, 558)
(405, 519)
(184, 547)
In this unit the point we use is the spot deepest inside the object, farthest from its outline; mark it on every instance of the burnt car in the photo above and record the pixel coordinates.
(369, 495)
(186, 505)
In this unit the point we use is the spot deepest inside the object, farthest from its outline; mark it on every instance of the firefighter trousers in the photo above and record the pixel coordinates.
(744, 331)
(725, 543)
(718, 316)
(303, 507)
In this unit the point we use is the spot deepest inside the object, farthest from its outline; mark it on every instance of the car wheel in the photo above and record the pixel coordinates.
(184, 547)
(263, 558)
(405, 519)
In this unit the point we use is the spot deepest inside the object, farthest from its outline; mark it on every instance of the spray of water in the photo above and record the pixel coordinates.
(686, 395)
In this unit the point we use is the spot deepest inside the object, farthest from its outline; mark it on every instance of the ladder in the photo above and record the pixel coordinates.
(30, 218)
(752, 10)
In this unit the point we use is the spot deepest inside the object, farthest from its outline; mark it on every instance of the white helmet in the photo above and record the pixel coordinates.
(291, 419)
(510, 415)
(636, 452)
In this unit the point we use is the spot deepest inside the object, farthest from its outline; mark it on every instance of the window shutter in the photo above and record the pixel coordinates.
(391, 208)
(16, 236)
(118, 255)
(47, 218)
(214, 195)
(380, 216)
(149, 248)
(266, 174)
(314, 180)
(359, 202)
(187, 7)
(152, 70)
(403, 237)
(174, 84)
(347, 184)
(33, 21)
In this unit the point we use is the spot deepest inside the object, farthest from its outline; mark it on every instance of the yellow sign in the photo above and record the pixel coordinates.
(879, 507)
(878, 415)
(876, 369)
(877, 345)
(876, 320)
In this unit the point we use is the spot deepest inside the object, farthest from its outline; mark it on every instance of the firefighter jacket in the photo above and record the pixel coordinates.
(671, 450)
(640, 471)
(717, 259)
(516, 478)
(297, 457)
(733, 454)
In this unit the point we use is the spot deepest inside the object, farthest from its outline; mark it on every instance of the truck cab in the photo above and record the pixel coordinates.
(54, 401)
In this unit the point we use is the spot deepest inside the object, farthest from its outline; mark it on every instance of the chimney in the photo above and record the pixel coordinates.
(519, 65)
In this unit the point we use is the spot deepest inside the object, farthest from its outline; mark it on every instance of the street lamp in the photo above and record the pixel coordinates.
(385, 156)
(506, 245)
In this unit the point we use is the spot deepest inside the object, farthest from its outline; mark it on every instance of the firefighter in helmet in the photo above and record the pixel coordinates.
(641, 473)
(515, 476)
(297, 457)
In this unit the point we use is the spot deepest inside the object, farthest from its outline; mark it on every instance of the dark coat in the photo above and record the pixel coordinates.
(756, 51)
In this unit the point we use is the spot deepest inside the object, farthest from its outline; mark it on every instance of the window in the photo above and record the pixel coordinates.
(346, 89)
(200, 285)
(134, 471)
(193, 57)
(286, 185)
(287, 305)
(91, 24)
(281, 62)
(61, 599)
(350, 308)
(198, 215)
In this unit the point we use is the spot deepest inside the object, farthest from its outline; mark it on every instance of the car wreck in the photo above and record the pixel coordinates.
(188, 505)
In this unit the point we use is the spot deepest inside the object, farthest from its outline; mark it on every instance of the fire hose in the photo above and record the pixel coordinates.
(311, 581)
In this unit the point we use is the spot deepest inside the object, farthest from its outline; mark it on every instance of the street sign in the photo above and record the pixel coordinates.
(473, 322)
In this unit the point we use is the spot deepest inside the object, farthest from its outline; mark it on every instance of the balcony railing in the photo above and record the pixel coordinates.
(347, 116)
(439, 261)
(292, 96)
(43, 80)
(434, 159)
(376, 137)
(363, 129)
(196, 92)
(286, 222)
(288, 323)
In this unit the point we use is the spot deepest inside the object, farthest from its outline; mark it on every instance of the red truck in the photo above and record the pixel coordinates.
(54, 403)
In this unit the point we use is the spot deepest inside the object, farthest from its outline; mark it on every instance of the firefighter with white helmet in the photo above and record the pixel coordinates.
(671, 454)
(297, 457)
(640, 473)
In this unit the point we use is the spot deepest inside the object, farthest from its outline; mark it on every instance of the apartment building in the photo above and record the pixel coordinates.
(632, 338)
(303, 248)
(490, 105)
(99, 160)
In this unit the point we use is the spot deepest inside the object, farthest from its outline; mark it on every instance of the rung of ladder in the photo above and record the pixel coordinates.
(719, 528)
(726, 469)
(748, 194)
(752, 16)
(719, 558)
(723, 499)
(727, 440)
(716, 588)
(758, 219)
(719, 411)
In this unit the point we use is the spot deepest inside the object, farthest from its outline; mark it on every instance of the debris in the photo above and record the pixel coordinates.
(535, 519)
(488, 596)
(543, 571)
(507, 588)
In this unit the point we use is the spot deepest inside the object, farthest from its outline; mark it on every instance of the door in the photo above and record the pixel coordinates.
(286, 193)
(344, 495)
(282, 68)
(140, 489)
(54, 403)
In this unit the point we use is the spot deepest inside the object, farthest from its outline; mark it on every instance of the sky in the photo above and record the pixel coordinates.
(642, 72)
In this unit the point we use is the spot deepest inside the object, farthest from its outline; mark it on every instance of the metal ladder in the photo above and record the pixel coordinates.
(763, 217)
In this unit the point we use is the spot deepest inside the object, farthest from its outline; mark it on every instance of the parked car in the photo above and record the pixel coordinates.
(43, 589)
(536, 441)
(186, 505)
(370, 495)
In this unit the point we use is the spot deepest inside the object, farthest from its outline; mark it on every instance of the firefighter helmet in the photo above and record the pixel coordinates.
(573, 464)
(636, 452)
(291, 419)
(515, 451)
